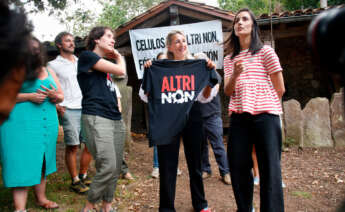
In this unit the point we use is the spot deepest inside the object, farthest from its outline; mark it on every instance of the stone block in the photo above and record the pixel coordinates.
(337, 119)
(293, 122)
(316, 124)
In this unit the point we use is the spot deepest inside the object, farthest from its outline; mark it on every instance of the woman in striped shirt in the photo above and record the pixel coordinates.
(253, 79)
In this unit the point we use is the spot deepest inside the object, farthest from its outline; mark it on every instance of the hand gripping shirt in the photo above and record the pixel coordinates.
(214, 106)
(172, 88)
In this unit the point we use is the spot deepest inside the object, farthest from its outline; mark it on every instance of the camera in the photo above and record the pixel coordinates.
(327, 40)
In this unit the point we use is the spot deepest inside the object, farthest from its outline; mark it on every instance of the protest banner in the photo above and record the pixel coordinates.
(206, 37)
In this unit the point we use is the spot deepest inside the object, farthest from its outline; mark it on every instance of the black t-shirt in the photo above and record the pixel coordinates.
(172, 88)
(98, 89)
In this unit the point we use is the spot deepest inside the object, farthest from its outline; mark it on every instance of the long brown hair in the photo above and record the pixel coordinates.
(95, 34)
(232, 45)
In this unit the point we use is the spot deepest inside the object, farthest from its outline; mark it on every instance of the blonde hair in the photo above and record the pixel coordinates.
(168, 41)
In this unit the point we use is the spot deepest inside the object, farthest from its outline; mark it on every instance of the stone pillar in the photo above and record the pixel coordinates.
(338, 118)
(316, 124)
(293, 120)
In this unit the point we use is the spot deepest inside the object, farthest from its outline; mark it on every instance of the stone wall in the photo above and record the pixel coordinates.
(320, 124)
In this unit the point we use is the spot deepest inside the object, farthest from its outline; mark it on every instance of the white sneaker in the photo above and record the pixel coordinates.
(283, 185)
(256, 180)
(155, 173)
(179, 172)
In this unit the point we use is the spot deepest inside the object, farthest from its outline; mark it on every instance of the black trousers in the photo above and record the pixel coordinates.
(264, 131)
(168, 162)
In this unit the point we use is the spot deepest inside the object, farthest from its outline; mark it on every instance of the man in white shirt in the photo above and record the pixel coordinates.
(65, 67)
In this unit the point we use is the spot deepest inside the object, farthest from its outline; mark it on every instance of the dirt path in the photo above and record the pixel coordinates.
(314, 178)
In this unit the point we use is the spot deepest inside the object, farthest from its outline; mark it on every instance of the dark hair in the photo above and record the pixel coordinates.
(95, 34)
(58, 38)
(15, 31)
(39, 58)
(232, 45)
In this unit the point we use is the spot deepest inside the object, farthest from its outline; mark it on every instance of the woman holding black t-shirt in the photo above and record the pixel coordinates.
(101, 119)
(168, 147)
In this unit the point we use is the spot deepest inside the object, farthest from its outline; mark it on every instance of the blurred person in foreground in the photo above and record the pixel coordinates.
(15, 32)
(28, 137)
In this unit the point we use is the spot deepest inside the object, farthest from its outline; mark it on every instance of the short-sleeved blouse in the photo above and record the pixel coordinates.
(254, 92)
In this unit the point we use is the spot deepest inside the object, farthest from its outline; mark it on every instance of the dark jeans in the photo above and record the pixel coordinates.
(155, 157)
(213, 130)
(168, 162)
(264, 131)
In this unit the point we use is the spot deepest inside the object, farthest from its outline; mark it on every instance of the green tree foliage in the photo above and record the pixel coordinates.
(79, 19)
(112, 16)
(258, 6)
(303, 4)
(263, 6)
(118, 12)
(41, 5)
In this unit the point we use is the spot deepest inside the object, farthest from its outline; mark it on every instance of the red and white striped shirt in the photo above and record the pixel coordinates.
(254, 92)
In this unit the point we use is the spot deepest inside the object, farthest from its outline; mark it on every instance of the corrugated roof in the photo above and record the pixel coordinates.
(294, 15)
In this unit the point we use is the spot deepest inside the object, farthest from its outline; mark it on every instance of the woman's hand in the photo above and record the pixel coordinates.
(239, 67)
(148, 64)
(52, 93)
(61, 110)
(230, 82)
(37, 97)
(113, 55)
(210, 64)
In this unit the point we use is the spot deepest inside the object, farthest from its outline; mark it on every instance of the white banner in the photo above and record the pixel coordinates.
(204, 37)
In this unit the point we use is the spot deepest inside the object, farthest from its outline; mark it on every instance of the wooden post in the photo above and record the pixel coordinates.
(174, 18)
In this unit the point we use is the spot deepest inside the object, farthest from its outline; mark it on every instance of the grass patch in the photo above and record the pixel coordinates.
(303, 194)
(58, 191)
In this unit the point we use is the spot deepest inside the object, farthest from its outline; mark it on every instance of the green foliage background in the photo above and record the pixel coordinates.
(116, 12)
